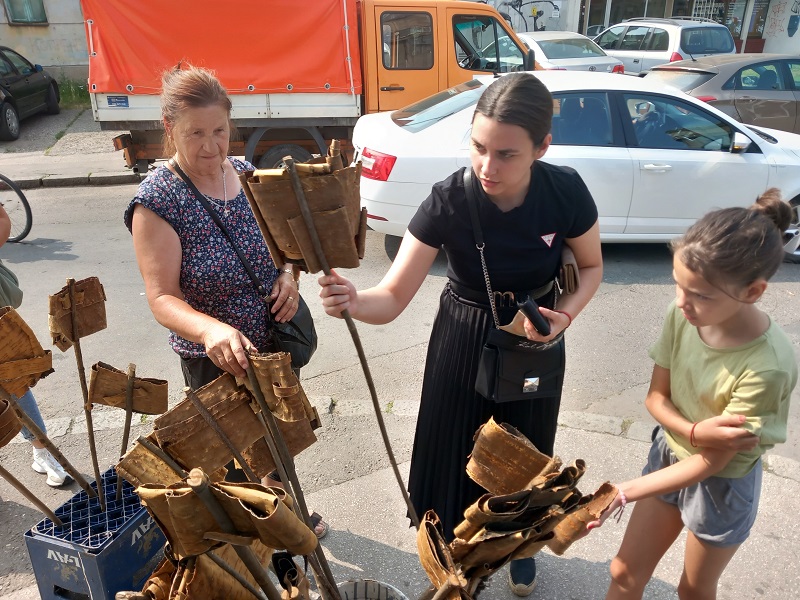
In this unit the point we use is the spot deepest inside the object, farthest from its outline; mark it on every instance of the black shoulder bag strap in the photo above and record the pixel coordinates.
(477, 232)
(245, 263)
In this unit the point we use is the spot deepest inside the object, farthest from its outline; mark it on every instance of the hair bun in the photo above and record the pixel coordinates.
(771, 205)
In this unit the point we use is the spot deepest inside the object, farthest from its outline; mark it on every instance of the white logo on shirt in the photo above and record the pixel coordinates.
(548, 239)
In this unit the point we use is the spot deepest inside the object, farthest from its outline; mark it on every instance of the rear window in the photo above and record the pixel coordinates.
(570, 48)
(706, 40)
(683, 80)
(429, 111)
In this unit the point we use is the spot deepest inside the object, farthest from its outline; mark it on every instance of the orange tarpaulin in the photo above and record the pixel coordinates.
(254, 46)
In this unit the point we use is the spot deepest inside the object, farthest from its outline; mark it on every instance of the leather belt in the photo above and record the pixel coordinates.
(506, 299)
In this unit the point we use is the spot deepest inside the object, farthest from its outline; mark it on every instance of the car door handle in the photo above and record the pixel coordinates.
(657, 168)
(392, 88)
(635, 60)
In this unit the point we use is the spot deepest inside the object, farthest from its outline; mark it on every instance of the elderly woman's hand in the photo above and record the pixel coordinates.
(225, 346)
(285, 297)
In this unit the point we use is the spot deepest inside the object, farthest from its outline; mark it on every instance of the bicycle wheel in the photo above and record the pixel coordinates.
(16, 205)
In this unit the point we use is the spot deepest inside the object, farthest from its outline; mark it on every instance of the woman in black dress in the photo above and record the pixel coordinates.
(528, 210)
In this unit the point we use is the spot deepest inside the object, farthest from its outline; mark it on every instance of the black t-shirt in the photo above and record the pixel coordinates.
(523, 246)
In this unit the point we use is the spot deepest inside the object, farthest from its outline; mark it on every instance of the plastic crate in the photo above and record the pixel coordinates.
(95, 554)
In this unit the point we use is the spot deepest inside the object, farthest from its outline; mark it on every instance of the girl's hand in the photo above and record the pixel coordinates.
(225, 346)
(558, 323)
(725, 432)
(338, 294)
(617, 504)
(285, 297)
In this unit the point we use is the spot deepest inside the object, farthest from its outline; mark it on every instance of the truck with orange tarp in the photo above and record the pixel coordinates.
(299, 72)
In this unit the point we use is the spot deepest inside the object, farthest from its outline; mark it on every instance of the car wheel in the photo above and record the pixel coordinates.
(791, 237)
(52, 100)
(9, 123)
(273, 158)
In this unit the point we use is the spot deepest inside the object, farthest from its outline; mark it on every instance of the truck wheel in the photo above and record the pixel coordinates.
(52, 100)
(273, 158)
(9, 123)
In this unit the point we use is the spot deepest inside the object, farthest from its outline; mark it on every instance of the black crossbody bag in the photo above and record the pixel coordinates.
(512, 367)
(298, 336)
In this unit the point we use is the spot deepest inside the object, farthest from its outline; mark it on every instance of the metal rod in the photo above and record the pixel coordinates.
(29, 495)
(285, 464)
(198, 481)
(235, 574)
(87, 406)
(351, 326)
(51, 447)
(168, 460)
(126, 432)
(212, 422)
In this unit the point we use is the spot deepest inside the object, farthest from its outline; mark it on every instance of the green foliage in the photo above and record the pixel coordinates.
(73, 94)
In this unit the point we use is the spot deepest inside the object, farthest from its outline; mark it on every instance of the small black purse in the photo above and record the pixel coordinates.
(512, 367)
(298, 336)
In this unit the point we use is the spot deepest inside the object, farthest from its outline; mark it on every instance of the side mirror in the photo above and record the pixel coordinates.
(38, 68)
(528, 61)
(740, 143)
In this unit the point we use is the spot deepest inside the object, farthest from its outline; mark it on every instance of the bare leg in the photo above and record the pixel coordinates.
(653, 527)
(703, 565)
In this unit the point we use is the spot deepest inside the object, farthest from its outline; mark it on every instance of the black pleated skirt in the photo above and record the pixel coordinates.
(451, 412)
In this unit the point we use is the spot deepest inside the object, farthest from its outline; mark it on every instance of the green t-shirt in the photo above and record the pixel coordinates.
(755, 380)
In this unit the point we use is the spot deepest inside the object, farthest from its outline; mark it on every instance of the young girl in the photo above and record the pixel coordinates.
(722, 380)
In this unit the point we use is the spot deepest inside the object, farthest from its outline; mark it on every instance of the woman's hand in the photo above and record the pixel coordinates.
(338, 294)
(225, 346)
(558, 323)
(617, 504)
(285, 297)
(725, 432)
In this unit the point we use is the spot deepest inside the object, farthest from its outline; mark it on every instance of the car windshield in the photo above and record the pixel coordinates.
(420, 115)
(706, 40)
(683, 80)
(570, 48)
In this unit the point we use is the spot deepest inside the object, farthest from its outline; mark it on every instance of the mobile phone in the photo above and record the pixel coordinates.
(530, 309)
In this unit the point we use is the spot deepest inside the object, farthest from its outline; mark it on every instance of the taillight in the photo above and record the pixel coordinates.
(706, 98)
(618, 69)
(376, 165)
(675, 57)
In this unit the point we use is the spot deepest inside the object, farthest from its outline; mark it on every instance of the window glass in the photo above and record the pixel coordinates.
(673, 124)
(5, 68)
(22, 65)
(25, 11)
(581, 119)
(431, 110)
(482, 45)
(764, 76)
(407, 40)
(608, 41)
(794, 68)
(659, 40)
(570, 48)
(706, 40)
(633, 38)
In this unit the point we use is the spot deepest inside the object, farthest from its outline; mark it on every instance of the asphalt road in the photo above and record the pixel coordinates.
(78, 232)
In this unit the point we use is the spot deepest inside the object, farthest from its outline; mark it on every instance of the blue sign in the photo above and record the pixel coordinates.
(121, 101)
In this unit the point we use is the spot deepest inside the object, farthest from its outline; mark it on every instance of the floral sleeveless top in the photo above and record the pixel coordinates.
(212, 278)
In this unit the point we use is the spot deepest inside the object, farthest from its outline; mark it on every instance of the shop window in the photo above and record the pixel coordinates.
(25, 12)
(407, 40)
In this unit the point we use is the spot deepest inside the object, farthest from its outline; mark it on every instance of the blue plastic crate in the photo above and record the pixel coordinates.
(95, 554)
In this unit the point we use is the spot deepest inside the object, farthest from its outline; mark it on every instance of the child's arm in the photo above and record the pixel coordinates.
(723, 432)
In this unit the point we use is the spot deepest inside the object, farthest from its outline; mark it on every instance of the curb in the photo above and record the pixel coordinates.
(49, 181)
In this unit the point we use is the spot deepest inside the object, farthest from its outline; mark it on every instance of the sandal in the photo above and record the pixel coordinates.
(319, 526)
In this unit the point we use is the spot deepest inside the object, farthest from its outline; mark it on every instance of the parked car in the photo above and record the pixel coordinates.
(757, 89)
(654, 158)
(568, 51)
(25, 89)
(642, 43)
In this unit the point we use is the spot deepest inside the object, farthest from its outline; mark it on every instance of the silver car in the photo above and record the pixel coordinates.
(568, 51)
(642, 43)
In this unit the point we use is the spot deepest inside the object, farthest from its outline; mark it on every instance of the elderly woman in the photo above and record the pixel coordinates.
(195, 283)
